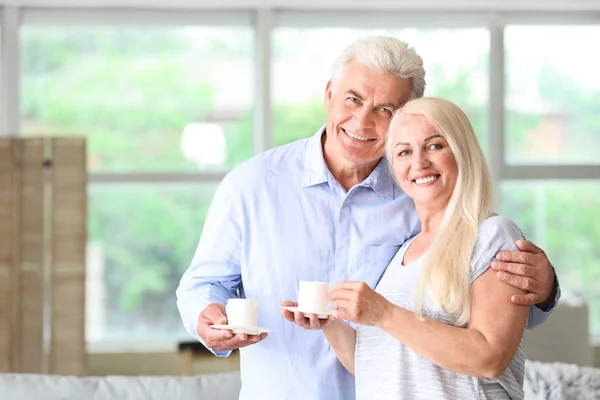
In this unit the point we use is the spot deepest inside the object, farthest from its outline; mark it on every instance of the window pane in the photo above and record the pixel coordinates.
(141, 239)
(302, 60)
(553, 95)
(147, 99)
(563, 218)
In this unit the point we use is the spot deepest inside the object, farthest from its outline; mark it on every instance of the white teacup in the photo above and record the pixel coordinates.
(313, 296)
(242, 312)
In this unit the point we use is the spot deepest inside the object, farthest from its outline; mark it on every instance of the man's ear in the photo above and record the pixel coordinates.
(328, 95)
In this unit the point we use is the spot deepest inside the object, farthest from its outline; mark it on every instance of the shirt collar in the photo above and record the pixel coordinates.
(316, 171)
(381, 180)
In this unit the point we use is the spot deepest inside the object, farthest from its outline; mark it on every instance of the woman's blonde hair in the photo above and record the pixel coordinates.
(445, 272)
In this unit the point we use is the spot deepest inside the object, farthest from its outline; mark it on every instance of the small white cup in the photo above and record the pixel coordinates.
(242, 312)
(313, 296)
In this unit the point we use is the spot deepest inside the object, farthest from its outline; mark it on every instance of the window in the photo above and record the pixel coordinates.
(179, 100)
(302, 61)
(552, 119)
(150, 101)
(553, 95)
(142, 239)
(154, 99)
(562, 217)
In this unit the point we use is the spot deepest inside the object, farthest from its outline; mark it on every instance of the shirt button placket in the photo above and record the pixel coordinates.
(343, 241)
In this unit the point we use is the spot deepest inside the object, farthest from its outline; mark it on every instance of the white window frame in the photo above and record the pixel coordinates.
(511, 172)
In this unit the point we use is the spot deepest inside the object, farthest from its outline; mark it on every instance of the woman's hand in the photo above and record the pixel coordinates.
(358, 303)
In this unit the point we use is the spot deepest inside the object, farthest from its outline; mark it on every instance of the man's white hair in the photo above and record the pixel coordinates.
(385, 54)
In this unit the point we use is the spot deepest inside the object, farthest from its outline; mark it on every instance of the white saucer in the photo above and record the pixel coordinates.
(248, 330)
(320, 315)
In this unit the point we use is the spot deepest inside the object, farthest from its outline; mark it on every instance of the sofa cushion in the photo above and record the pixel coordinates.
(51, 387)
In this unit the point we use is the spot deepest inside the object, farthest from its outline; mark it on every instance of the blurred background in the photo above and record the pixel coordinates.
(172, 95)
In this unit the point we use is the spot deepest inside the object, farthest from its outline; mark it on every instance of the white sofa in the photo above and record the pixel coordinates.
(547, 381)
(51, 387)
(563, 338)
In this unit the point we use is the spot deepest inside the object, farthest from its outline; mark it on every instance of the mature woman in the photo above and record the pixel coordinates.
(439, 324)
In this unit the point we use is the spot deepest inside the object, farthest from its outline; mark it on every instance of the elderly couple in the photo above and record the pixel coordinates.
(391, 201)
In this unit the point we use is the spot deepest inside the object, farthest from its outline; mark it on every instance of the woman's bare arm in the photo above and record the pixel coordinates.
(342, 338)
(488, 344)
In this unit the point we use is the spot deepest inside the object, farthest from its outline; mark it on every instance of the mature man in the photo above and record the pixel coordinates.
(325, 209)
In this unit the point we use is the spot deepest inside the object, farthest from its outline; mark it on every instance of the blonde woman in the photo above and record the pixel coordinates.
(439, 323)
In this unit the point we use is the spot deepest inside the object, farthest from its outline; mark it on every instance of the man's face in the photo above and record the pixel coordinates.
(359, 108)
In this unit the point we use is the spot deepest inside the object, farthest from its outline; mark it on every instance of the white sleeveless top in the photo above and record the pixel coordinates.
(387, 369)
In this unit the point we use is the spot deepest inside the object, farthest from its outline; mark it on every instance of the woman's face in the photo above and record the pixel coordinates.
(422, 161)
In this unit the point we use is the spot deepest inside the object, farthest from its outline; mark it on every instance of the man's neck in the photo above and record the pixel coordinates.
(348, 175)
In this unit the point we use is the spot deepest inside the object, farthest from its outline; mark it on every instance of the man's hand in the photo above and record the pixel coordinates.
(311, 322)
(222, 340)
(528, 269)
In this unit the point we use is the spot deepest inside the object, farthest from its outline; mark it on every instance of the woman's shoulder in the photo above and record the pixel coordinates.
(496, 233)
(498, 225)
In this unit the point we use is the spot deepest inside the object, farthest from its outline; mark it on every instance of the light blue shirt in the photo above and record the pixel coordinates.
(275, 220)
